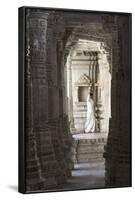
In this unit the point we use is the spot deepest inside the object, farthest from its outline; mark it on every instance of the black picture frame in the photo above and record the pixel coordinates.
(121, 75)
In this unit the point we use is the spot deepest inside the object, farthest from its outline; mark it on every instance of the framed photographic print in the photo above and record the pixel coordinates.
(74, 99)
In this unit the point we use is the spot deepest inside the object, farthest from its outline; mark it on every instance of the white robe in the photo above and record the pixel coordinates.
(90, 121)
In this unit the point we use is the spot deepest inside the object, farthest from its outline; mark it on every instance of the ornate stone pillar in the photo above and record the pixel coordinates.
(48, 139)
(69, 63)
(118, 149)
(36, 109)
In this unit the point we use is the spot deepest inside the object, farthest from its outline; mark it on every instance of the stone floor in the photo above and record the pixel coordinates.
(86, 176)
(90, 174)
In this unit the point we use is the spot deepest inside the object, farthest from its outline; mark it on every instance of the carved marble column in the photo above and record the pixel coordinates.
(48, 139)
(118, 149)
(35, 96)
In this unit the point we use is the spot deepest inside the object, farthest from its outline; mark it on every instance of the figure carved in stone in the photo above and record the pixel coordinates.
(90, 120)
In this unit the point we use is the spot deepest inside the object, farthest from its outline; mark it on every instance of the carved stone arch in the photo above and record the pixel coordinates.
(76, 34)
(83, 84)
(84, 80)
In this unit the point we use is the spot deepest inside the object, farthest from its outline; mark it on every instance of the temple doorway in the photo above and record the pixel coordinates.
(88, 71)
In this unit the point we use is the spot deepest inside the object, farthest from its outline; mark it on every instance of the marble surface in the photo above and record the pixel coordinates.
(89, 135)
(87, 176)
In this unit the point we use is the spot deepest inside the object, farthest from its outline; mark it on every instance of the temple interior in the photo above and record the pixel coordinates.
(70, 55)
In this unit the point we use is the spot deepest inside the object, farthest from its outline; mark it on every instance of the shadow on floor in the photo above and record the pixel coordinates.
(13, 188)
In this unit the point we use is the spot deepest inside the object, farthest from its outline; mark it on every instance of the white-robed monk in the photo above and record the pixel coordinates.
(90, 121)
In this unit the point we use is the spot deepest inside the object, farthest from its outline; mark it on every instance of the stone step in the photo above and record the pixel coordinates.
(89, 147)
(90, 160)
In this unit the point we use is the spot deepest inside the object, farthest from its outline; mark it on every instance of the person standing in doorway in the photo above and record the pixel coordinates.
(90, 120)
